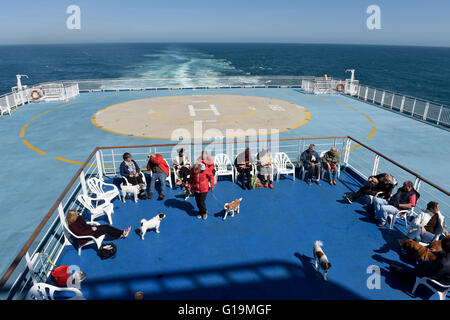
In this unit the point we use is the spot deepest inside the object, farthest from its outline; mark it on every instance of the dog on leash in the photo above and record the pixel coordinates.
(232, 207)
(320, 259)
(132, 189)
(153, 223)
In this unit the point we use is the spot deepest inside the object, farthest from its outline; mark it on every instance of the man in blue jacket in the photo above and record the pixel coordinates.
(311, 162)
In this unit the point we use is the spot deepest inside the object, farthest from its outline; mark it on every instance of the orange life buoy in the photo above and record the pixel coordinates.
(33, 95)
(340, 87)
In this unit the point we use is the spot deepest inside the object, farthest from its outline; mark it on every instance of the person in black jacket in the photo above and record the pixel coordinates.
(438, 269)
(131, 171)
(382, 182)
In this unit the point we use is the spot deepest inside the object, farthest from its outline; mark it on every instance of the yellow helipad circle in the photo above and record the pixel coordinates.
(227, 115)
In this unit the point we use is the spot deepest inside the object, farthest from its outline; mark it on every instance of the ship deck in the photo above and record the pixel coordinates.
(264, 252)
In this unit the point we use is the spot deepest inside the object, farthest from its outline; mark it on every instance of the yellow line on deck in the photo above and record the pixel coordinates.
(29, 145)
(368, 118)
(372, 133)
(41, 115)
(22, 132)
(344, 105)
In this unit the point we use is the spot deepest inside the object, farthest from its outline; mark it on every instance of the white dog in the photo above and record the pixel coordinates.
(232, 207)
(128, 188)
(153, 223)
(320, 259)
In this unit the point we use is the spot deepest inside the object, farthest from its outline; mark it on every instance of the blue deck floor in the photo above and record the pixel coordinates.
(66, 131)
(264, 252)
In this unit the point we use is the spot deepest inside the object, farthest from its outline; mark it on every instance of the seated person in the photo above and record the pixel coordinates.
(208, 161)
(331, 162)
(130, 170)
(243, 164)
(160, 171)
(311, 162)
(182, 165)
(438, 269)
(428, 225)
(405, 198)
(79, 227)
(382, 182)
(264, 161)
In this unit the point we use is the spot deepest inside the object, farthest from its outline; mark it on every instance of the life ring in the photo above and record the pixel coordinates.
(39, 94)
(340, 87)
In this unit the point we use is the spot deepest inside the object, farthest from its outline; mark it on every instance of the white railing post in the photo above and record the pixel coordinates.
(99, 165)
(113, 161)
(83, 183)
(367, 92)
(375, 165)
(417, 184)
(427, 106)
(403, 104)
(374, 94)
(413, 108)
(382, 98)
(347, 151)
(392, 100)
(440, 112)
(359, 91)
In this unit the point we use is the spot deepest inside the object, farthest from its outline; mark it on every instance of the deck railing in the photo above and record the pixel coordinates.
(357, 158)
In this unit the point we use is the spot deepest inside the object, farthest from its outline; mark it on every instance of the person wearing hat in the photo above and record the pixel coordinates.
(264, 161)
(311, 162)
(383, 182)
(200, 179)
(331, 161)
(438, 269)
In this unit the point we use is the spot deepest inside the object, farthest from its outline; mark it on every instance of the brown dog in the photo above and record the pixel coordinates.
(418, 252)
(232, 207)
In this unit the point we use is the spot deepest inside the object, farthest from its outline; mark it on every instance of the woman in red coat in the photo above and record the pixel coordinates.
(199, 181)
(208, 161)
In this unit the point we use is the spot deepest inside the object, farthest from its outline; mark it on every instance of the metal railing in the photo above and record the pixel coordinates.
(418, 108)
(356, 157)
(44, 92)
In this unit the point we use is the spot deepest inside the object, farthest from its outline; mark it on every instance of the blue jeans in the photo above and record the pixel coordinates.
(162, 179)
(332, 174)
(383, 209)
(427, 237)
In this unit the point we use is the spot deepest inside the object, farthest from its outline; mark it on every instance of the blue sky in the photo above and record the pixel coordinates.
(295, 21)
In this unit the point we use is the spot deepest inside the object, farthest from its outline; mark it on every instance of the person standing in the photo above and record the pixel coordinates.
(199, 180)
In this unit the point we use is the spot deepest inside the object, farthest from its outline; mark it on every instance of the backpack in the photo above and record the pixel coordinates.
(107, 250)
(255, 183)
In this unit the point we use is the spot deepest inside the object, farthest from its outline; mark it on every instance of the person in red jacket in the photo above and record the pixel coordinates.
(199, 181)
(160, 171)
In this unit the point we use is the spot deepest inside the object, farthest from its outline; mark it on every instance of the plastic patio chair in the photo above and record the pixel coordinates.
(44, 291)
(424, 281)
(105, 208)
(96, 187)
(68, 235)
(223, 166)
(282, 162)
(143, 179)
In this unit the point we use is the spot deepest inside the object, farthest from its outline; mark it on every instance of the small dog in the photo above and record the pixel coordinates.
(320, 259)
(232, 207)
(187, 193)
(135, 190)
(418, 252)
(153, 223)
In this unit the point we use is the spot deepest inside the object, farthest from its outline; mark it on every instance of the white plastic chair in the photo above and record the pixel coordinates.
(143, 179)
(282, 163)
(169, 177)
(68, 235)
(404, 214)
(223, 166)
(44, 291)
(31, 261)
(424, 281)
(338, 167)
(5, 109)
(105, 208)
(96, 186)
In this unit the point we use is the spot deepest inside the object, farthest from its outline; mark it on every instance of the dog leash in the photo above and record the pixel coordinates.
(215, 198)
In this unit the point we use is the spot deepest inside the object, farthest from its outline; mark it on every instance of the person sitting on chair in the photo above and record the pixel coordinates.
(160, 171)
(264, 161)
(131, 171)
(182, 165)
(80, 228)
(311, 162)
(438, 269)
(243, 164)
(331, 161)
(405, 198)
(428, 225)
(383, 182)
(208, 161)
